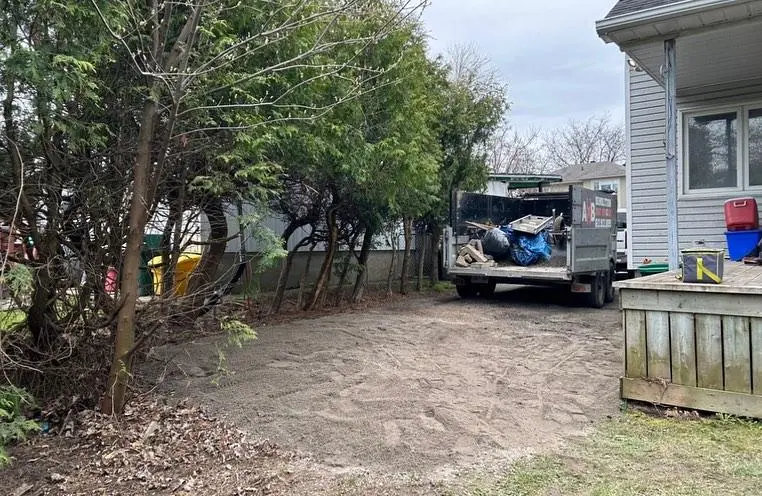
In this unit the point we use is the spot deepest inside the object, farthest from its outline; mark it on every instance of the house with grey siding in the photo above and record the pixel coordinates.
(701, 61)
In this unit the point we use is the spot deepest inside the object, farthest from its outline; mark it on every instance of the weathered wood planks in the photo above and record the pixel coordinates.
(683, 348)
(709, 351)
(658, 352)
(736, 349)
(635, 343)
(694, 349)
(710, 400)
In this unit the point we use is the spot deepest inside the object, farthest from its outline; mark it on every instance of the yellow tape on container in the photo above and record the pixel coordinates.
(701, 270)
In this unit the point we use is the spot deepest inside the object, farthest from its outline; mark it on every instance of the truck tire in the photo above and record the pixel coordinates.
(487, 290)
(610, 291)
(597, 296)
(467, 291)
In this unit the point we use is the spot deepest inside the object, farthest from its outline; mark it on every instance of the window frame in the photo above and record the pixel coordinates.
(742, 110)
(607, 182)
(683, 139)
(747, 149)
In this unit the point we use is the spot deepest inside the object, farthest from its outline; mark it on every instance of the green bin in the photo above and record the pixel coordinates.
(151, 248)
(653, 268)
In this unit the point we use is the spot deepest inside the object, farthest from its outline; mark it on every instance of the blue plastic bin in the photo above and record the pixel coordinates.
(742, 243)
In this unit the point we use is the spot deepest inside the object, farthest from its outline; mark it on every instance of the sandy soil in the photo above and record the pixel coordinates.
(421, 390)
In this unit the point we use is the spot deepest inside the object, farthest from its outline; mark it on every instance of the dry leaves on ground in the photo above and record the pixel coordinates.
(153, 448)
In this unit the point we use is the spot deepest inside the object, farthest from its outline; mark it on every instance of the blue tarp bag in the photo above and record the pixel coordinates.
(528, 249)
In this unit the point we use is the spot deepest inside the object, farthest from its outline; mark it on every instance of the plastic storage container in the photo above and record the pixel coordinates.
(742, 243)
(653, 268)
(185, 265)
(741, 214)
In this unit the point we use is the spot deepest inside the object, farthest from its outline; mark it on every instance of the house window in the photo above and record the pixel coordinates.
(723, 149)
(607, 186)
(713, 151)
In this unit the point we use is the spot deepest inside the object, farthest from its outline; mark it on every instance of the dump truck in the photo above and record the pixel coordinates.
(579, 225)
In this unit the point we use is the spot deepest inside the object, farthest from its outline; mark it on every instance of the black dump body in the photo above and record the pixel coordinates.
(500, 210)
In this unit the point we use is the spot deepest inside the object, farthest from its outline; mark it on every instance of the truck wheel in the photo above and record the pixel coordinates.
(487, 290)
(467, 291)
(597, 296)
(610, 291)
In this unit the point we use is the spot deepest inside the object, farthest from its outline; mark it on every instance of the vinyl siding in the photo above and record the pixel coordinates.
(699, 218)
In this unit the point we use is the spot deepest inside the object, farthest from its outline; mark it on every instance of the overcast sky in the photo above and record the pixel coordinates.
(547, 51)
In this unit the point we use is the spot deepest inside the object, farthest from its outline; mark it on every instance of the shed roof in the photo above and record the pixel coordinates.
(592, 171)
(624, 7)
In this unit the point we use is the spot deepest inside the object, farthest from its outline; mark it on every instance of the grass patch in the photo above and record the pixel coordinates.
(443, 287)
(638, 454)
(10, 318)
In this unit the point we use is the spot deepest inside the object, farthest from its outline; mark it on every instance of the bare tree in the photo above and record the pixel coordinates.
(595, 139)
(511, 151)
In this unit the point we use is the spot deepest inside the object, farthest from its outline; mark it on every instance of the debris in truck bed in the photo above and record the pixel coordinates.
(470, 254)
(529, 249)
(497, 244)
(531, 224)
(484, 227)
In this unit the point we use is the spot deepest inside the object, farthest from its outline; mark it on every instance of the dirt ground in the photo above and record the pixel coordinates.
(415, 394)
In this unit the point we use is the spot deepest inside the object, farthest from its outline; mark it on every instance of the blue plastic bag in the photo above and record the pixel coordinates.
(496, 244)
(528, 249)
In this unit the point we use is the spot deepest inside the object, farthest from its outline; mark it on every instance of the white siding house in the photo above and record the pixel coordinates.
(608, 176)
(718, 46)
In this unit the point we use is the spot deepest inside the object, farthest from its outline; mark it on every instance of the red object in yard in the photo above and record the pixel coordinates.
(741, 214)
(111, 280)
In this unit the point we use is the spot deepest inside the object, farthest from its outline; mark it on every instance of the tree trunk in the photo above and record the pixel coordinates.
(321, 285)
(392, 264)
(41, 317)
(285, 270)
(345, 271)
(114, 397)
(407, 226)
(362, 269)
(303, 277)
(280, 291)
(420, 247)
(202, 280)
(436, 238)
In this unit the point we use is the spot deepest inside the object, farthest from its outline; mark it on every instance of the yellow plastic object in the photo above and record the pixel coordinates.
(186, 264)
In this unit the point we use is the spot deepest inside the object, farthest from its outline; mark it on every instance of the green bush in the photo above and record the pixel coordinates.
(14, 426)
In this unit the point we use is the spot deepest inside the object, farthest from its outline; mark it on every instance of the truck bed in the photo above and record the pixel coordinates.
(514, 272)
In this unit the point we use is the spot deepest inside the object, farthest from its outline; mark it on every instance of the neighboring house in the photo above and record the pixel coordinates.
(608, 176)
(710, 52)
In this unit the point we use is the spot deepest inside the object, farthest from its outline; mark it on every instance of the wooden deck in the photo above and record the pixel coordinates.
(737, 277)
(695, 346)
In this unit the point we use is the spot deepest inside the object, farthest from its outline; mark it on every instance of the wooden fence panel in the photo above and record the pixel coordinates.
(635, 343)
(657, 327)
(756, 356)
(737, 358)
(709, 351)
(683, 341)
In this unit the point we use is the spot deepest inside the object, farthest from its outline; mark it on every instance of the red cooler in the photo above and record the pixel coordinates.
(741, 214)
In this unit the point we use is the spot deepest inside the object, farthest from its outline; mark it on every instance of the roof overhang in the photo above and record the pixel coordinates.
(674, 20)
(522, 181)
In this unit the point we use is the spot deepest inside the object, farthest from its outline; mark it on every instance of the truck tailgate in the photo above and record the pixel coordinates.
(537, 273)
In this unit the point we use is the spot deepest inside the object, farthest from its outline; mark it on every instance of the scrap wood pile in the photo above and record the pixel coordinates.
(525, 241)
